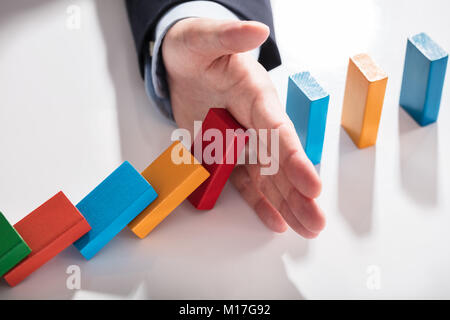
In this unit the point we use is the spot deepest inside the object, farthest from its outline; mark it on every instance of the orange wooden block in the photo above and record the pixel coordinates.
(173, 182)
(363, 100)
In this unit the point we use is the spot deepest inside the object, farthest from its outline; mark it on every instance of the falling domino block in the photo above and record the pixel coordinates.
(219, 119)
(174, 181)
(48, 230)
(12, 247)
(111, 206)
(363, 100)
(307, 107)
(423, 78)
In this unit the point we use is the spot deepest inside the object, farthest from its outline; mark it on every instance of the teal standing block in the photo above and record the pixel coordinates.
(423, 78)
(307, 107)
(111, 206)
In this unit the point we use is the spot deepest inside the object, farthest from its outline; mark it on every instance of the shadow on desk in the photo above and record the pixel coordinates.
(356, 184)
(10, 9)
(144, 131)
(419, 160)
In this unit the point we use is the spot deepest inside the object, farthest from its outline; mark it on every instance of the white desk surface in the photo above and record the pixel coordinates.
(73, 107)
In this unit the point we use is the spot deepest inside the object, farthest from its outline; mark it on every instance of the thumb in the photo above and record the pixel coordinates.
(215, 38)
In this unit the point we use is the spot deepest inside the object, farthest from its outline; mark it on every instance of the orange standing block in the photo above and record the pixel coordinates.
(175, 174)
(48, 230)
(363, 100)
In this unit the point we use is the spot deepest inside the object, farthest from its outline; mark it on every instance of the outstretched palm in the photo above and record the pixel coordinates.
(207, 66)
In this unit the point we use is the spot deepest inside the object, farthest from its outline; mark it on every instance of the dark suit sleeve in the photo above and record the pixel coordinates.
(145, 14)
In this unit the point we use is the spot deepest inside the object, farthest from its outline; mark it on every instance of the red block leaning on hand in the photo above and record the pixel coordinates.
(205, 196)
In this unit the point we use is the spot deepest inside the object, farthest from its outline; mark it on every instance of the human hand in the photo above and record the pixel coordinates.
(208, 66)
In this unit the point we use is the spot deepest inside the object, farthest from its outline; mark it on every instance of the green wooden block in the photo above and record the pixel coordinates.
(12, 247)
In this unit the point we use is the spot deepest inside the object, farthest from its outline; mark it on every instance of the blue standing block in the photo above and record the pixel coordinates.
(307, 106)
(111, 206)
(423, 78)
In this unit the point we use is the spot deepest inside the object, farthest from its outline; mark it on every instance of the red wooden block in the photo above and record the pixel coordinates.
(48, 230)
(205, 196)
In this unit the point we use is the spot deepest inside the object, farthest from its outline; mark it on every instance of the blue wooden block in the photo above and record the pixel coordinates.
(111, 206)
(423, 78)
(307, 106)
